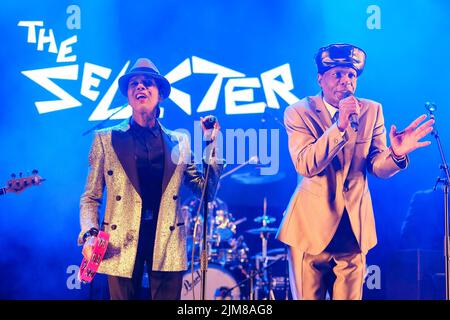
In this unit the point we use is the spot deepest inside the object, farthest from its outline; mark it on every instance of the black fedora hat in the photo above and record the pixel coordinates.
(340, 55)
(144, 66)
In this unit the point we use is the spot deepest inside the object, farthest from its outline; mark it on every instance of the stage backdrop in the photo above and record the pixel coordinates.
(243, 61)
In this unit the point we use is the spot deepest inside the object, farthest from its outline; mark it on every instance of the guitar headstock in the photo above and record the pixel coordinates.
(19, 184)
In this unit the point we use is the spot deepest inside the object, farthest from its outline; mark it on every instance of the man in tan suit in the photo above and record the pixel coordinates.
(335, 139)
(143, 166)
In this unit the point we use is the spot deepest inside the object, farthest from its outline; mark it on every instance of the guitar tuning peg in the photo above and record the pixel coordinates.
(13, 175)
(20, 174)
(34, 171)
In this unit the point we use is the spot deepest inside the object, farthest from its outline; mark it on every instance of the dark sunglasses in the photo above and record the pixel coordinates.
(146, 82)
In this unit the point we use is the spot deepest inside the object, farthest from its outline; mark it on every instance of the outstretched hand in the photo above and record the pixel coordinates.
(405, 141)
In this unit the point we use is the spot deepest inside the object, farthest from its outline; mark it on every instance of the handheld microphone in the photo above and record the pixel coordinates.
(209, 122)
(354, 121)
(430, 106)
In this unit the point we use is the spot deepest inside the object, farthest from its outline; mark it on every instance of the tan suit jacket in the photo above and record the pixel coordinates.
(112, 165)
(334, 167)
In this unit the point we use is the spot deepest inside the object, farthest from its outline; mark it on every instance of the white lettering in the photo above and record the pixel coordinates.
(282, 88)
(31, 38)
(43, 76)
(101, 112)
(42, 39)
(182, 99)
(65, 49)
(211, 97)
(231, 96)
(89, 81)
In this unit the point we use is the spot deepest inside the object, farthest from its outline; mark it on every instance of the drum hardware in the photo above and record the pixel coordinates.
(264, 230)
(223, 249)
(227, 256)
(252, 278)
(233, 253)
(265, 219)
(265, 283)
(264, 235)
(277, 281)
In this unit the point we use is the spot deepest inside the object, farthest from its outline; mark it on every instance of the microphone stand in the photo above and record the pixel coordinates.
(270, 113)
(204, 253)
(100, 124)
(205, 248)
(445, 182)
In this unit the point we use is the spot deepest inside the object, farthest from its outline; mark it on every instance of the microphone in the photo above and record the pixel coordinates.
(209, 122)
(354, 121)
(430, 106)
(253, 160)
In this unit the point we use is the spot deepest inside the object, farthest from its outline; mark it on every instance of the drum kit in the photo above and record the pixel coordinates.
(232, 274)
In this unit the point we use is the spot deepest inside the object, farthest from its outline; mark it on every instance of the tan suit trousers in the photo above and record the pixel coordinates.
(338, 270)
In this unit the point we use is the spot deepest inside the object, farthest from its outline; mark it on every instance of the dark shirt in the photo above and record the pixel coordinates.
(149, 155)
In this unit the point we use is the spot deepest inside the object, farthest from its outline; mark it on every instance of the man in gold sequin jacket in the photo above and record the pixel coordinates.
(143, 166)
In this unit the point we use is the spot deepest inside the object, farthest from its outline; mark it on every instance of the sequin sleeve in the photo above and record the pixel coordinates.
(91, 198)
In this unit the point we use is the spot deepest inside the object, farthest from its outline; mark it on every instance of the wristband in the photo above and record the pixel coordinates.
(91, 232)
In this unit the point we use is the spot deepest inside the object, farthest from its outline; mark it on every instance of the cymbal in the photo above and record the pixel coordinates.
(268, 219)
(272, 254)
(249, 178)
(262, 229)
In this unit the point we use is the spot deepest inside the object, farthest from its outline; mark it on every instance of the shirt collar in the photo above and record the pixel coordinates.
(155, 130)
(332, 110)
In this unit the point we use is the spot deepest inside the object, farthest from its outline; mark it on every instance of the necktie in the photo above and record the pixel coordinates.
(335, 117)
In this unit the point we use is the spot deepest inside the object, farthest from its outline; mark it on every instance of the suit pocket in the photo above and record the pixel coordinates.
(315, 192)
(316, 187)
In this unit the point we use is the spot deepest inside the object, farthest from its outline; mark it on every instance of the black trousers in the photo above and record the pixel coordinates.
(162, 285)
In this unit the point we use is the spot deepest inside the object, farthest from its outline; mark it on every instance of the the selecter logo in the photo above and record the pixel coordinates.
(238, 89)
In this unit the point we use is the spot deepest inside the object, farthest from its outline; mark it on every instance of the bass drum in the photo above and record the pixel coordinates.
(221, 284)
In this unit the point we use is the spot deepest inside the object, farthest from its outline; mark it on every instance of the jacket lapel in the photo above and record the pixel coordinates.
(325, 118)
(123, 145)
(349, 149)
(171, 155)
(320, 110)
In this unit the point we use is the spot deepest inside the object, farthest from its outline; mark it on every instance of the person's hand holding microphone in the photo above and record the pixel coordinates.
(349, 110)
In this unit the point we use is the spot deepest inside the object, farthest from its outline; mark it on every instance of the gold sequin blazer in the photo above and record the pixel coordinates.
(112, 165)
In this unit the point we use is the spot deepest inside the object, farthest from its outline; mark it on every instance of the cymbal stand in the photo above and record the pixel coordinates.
(264, 241)
(251, 278)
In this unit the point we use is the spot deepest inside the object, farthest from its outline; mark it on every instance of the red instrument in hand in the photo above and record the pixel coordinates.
(88, 268)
